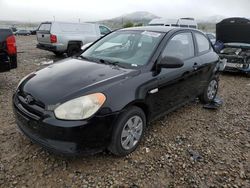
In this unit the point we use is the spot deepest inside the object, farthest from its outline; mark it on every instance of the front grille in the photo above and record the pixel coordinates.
(34, 110)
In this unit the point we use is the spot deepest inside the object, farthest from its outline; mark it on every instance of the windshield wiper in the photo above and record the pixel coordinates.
(103, 61)
(83, 57)
(109, 62)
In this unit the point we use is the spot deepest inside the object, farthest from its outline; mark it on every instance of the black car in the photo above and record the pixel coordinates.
(8, 51)
(234, 36)
(105, 97)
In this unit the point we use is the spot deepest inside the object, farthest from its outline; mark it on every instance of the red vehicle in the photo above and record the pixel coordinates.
(8, 51)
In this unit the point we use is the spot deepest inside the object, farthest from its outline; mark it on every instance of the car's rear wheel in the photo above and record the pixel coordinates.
(128, 131)
(210, 91)
(73, 49)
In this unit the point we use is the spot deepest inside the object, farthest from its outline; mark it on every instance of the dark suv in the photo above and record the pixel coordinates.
(8, 51)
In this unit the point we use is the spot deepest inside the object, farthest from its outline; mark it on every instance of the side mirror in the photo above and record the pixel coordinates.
(170, 62)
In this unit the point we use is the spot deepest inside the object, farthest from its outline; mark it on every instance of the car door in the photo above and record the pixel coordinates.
(176, 85)
(207, 59)
(43, 33)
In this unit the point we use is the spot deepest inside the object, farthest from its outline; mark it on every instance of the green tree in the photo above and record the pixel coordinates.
(138, 24)
(128, 24)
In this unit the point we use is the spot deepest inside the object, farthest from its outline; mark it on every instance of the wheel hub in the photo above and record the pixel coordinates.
(132, 132)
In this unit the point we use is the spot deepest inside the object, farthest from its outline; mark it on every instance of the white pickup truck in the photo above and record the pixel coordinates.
(62, 37)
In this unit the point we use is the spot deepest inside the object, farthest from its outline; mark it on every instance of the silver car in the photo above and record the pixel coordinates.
(62, 37)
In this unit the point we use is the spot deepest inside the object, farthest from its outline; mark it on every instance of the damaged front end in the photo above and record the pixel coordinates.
(235, 59)
(233, 33)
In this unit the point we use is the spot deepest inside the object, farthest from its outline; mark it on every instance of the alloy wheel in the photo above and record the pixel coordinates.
(132, 132)
(212, 89)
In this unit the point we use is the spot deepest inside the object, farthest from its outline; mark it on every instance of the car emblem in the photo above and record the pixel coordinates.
(28, 99)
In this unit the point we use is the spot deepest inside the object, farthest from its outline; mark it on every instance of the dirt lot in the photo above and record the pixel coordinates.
(192, 147)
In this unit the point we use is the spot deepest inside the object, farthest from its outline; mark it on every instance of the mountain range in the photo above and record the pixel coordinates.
(143, 17)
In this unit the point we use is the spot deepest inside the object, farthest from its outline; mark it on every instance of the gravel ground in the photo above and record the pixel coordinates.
(191, 147)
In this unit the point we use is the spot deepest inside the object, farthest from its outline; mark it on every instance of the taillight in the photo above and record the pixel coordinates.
(11, 45)
(53, 38)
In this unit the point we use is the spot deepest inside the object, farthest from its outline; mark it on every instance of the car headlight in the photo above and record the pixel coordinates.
(80, 108)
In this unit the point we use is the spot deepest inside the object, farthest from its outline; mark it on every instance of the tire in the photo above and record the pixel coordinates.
(124, 141)
(210, 91)
(73, 49)
(58, 53)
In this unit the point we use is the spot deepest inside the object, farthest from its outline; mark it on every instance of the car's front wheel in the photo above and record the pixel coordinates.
(128, 131)
(210, 91)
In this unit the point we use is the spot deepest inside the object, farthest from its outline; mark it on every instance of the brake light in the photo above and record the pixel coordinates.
(53, 38)
(11, 45)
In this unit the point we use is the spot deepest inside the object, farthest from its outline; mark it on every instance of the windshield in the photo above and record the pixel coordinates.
(125, 48)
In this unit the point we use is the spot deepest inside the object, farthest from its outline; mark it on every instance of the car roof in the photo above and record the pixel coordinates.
(162, 29)
(77, 23)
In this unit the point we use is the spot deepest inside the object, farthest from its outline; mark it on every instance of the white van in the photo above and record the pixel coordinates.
(182, 22)
(62, 37)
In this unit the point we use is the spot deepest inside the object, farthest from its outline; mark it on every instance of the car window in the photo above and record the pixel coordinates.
(44, 27)
(210, 36)
(130, 48)
(180, 46)
(202, 42)
(104, 30)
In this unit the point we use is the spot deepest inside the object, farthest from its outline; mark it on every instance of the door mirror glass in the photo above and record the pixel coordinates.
(170, 62)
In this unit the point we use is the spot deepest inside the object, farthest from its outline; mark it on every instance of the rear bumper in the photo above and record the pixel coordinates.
(47, 47)
(7, 62)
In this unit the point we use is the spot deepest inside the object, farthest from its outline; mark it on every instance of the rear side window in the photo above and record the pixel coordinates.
(180, 46)
(193, 26)
(104, 30)
(45, 27)
(77, 28)
(202, 42)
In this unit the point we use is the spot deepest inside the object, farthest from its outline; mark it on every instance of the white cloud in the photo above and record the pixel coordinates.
(91, 10)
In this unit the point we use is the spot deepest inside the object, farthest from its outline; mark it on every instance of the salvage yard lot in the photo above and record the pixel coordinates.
(191, 147)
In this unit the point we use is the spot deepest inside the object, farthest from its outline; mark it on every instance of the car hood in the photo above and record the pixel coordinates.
(66, 79)
(233, 30)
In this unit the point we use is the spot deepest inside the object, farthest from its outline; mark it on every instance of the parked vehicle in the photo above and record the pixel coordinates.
(234, 33)
(211, 37)
(13, 28)
(60, 37)
(182, 22)
(33, 32)
(8, 51)
(23, 32)
(105, 97)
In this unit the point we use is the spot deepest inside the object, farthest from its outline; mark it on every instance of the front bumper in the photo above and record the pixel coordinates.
(236, 70)
(235, 63)
(65, 137)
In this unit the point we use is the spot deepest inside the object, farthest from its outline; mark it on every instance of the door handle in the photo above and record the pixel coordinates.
(196, 66)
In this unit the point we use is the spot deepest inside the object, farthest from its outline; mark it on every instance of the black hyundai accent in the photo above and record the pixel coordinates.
(105, 97)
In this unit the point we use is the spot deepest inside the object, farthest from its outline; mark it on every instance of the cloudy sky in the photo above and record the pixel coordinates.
(93, 10)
